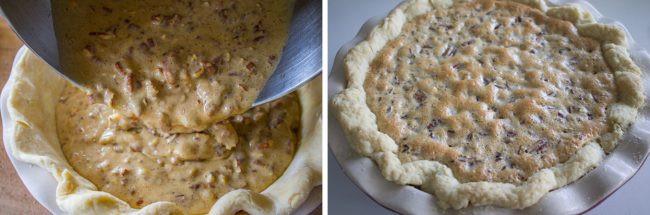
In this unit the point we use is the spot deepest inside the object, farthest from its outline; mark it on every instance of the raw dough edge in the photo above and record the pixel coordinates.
(31, 104)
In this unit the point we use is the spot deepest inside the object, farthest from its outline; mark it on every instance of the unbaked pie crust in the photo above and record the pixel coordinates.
(488, 102)
(34, 94)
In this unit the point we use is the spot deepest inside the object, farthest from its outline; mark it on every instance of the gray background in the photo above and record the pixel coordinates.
(347, 16)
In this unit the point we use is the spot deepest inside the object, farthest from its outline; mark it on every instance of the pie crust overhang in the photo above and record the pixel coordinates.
(385, 118)
(33, 96)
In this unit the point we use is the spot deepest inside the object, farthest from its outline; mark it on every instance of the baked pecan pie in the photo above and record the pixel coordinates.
(488, 102)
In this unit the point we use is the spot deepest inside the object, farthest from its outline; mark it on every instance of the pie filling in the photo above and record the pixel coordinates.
(494, 90)
(141, 166)
(166, 114)
(176, 65)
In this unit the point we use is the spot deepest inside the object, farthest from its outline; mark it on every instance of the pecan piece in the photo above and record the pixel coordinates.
(450, 51)
(420, 96)
(120, 68)
(103, 35)
(250, 66)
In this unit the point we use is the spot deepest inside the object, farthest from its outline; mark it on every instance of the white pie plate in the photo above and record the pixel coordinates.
(42, 185)
(578, 197)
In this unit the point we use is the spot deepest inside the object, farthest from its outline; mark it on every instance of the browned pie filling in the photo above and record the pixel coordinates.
(494, 90)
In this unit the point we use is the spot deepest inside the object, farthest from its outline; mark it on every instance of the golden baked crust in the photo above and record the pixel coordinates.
(488, 102)
(34, 93)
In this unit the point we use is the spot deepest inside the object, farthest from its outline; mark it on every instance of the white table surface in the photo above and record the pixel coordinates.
(347, 16)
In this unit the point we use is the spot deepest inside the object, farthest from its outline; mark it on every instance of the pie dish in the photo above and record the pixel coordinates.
(34, 91)
(372, 133)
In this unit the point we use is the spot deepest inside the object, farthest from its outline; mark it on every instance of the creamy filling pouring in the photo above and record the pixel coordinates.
(176, 65)
(166, 114)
